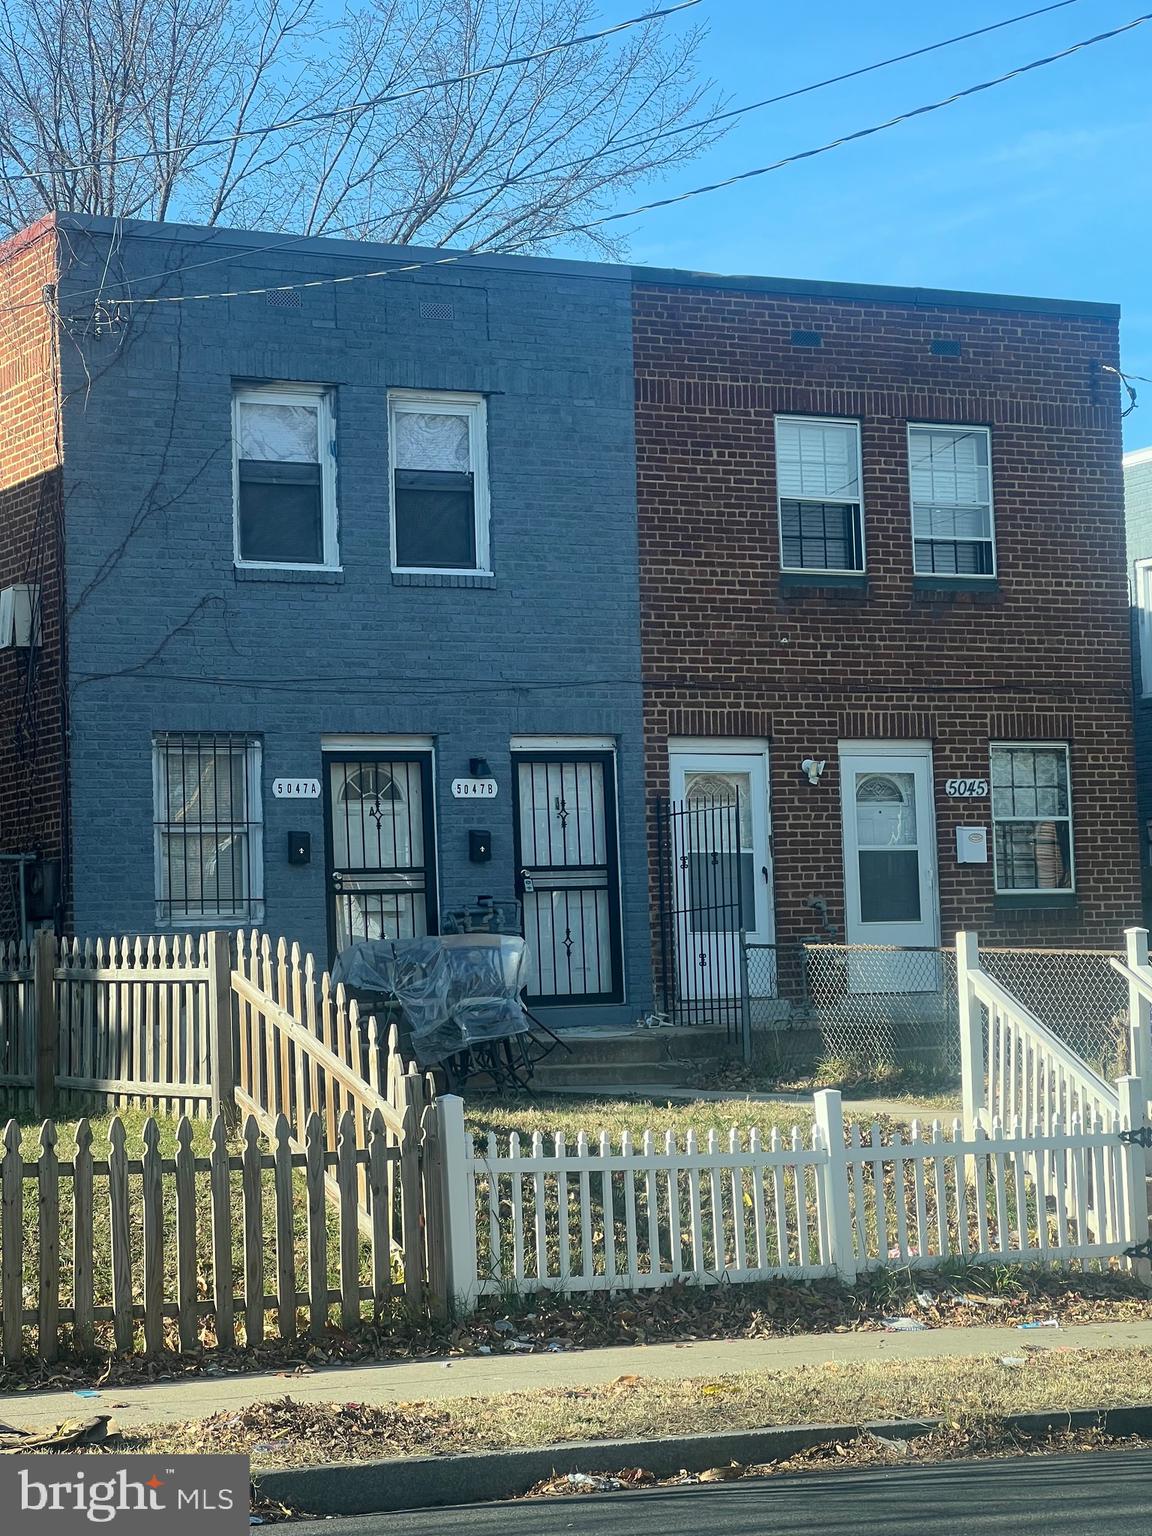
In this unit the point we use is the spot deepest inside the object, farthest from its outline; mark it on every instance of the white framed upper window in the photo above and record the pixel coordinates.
(818, 489)
(950, 476)
(439, 456)
(284, 476)
(209, 827)
(1032, 818)
(1142, 602)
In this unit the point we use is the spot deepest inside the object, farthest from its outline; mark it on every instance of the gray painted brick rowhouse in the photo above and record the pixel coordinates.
(166, 634)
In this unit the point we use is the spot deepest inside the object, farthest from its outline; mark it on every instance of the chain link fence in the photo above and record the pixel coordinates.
(877, 1006)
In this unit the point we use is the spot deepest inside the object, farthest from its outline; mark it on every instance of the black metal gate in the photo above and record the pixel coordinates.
(381, 847)
(569, 877)
(703, 905)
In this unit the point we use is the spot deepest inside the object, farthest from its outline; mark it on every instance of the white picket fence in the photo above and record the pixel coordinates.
(598, 1215)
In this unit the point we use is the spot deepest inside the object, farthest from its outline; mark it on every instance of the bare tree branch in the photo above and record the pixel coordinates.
(107, 105)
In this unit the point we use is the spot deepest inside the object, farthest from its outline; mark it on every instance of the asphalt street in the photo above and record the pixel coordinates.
(1024, 1496)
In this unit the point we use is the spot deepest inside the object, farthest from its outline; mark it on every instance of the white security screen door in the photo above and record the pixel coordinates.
(722, 869)
(890, 866)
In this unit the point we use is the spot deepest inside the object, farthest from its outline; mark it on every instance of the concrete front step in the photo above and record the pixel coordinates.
(566, 1075)
(636, 1045)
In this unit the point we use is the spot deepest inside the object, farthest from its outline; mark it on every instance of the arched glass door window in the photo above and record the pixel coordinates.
(887, 848)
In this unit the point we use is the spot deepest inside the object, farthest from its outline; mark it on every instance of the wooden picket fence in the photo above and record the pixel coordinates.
(122, 1022)
(304, 1050)
(136, 1250)
(229, 1026)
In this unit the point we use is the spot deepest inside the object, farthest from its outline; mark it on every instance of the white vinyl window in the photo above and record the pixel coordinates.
(818, 486)
(208, 827)
(1032, 818)
(284, 470)
(1142, 601)
(439, 456)
(949, 469)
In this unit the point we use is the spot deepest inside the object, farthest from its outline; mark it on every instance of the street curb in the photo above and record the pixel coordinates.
(432, 1482)
(429, 1482)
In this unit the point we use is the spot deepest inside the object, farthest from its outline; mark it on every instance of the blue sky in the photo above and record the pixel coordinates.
(1042, 185)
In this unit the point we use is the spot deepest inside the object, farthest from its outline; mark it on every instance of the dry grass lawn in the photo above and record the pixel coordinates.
(286, 1433)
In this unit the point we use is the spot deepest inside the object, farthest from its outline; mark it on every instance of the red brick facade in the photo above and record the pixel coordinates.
(32, 703)
(731, 649)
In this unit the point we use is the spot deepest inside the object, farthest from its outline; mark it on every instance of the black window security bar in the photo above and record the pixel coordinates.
(209, 846)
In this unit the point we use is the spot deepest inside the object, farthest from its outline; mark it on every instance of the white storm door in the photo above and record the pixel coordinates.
(722, 867)
(890, 865)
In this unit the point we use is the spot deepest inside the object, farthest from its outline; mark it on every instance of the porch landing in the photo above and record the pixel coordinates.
(631, 1059)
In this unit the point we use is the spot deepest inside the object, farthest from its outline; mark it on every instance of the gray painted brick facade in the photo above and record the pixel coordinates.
(166, 635)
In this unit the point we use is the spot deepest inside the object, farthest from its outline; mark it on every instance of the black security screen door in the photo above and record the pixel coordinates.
(381, 848)
(569, 878)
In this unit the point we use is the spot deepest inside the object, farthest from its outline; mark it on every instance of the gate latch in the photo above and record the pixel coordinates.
(1140, 1136)
(1139, 1251)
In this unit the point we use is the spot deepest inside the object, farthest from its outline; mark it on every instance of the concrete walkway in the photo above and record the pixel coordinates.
(480, 1375)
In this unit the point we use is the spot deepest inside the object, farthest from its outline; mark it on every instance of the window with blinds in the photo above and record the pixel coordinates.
(285, 477)
(439, 482)
(818, 484)
(949, 470)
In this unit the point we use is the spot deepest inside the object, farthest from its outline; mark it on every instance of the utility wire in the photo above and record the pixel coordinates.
(700, 123)
(863, 133)
(664, 202)
(768, 101)
(358, 108)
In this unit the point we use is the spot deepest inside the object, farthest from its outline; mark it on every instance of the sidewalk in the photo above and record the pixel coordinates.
(483, 1375)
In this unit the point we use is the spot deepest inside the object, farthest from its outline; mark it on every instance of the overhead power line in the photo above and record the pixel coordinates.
(355, 108)
(769, 101)
(807, 154)
(863, 133)
(509, 182)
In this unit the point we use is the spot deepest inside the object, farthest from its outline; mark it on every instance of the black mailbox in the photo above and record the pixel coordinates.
(479, 847)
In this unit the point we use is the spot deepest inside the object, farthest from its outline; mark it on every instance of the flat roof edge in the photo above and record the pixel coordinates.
(872, 293)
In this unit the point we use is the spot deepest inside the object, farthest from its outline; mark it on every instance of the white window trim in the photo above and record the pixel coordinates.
(1034, 746)
(255, 818)
(955, 426)
(291, 394)
(442, 402)
(1142, 602)
(821, 421)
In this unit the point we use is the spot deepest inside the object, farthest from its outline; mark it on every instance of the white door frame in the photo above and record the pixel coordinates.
(914, 758)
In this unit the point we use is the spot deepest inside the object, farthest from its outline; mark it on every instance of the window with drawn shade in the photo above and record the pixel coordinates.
(1031, 818)
(951, 482)
(439, 489)
(285, 477)
(818, 486)
(208, 827)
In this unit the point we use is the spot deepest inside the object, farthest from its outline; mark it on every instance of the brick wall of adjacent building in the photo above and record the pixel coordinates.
(733, 649)
(32, 792)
